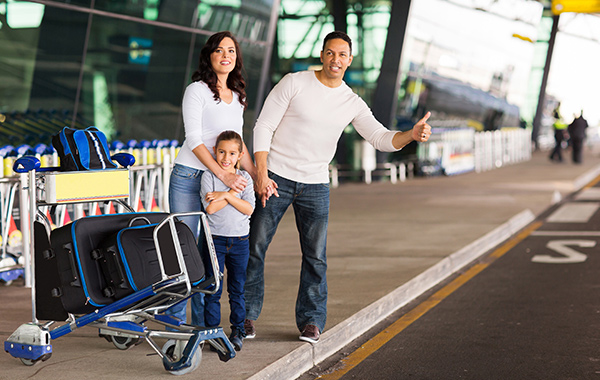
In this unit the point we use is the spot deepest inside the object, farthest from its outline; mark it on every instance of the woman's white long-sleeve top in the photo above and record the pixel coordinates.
(204, 119)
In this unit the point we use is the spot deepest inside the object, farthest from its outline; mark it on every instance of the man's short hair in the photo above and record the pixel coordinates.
(340, 35)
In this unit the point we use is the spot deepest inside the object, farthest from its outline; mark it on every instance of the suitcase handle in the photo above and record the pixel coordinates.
(71, 254)
(143, 218)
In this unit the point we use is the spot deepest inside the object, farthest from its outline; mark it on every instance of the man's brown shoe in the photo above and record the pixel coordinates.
(250, 330)
(310, 334)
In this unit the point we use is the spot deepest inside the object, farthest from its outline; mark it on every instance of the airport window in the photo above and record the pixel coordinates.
(122, 66)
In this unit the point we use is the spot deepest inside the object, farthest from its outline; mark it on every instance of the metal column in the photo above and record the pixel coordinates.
(385, 98)
(339, 12)
(537, 120)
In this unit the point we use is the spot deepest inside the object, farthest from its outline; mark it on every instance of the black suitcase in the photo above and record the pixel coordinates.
(47, 282)
(129, 261)
(81, 280)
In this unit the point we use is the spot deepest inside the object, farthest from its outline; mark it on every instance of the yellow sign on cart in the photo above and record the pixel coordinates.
(576, 6)
(86, 186)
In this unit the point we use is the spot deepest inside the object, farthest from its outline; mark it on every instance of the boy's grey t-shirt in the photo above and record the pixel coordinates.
(228, 221)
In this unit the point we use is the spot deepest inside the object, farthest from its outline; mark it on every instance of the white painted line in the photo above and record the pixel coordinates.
(591, 194)
(565, 233)
(574, 213)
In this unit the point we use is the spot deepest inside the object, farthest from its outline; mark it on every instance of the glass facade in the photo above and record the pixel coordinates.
(463, 59)
(120, 65)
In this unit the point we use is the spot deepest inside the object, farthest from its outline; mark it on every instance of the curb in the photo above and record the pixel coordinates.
(586, 178)
(302, 359)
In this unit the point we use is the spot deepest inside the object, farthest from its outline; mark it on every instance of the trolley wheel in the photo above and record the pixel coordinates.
(28, 362)
(223, 356)
(174, 351)
(123, 342)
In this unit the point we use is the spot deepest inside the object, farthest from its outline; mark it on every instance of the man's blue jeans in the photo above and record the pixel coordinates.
(311, 208)
(184, 196)
(232, 254)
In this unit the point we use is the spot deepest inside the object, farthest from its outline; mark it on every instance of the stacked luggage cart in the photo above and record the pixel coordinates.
(11, 260)
(117, 273)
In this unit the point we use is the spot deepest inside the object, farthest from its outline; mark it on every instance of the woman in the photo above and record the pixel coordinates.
(212, 103)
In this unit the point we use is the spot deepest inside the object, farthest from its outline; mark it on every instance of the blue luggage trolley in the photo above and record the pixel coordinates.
(11, 261)
(123, 321)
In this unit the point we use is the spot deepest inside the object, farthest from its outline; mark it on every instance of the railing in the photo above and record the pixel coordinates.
(449, 151)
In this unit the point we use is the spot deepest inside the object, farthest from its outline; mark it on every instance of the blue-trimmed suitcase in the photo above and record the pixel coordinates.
(82, 284)
(129, 261)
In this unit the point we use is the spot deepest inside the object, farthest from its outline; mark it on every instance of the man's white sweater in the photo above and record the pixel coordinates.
(301, 122)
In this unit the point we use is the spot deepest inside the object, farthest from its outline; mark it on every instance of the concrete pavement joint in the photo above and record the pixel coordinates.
(300, 360)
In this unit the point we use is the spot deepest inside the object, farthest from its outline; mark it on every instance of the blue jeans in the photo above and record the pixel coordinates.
(311, 208)
(232, 254)
(184, 196)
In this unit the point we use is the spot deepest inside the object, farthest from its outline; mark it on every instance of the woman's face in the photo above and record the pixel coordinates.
(224, 56)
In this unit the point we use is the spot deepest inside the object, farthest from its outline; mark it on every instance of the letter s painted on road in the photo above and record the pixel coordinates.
(569, 255)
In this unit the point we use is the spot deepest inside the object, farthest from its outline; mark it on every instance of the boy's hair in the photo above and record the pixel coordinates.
(340, 35)
(231, 136)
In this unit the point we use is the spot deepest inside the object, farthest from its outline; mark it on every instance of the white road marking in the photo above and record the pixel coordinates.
(566, 254)
(574, 213)
(591, 194)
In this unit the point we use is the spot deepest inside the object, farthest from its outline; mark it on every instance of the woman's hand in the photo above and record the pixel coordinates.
(234, 181)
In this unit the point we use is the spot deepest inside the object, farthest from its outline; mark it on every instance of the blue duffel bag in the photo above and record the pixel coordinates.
(82, 149)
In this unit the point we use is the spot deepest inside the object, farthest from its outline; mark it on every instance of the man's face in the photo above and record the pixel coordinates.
(336, 58)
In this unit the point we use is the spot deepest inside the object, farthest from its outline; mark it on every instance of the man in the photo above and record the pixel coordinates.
(577, 134)
(295, 138)
(560, 130)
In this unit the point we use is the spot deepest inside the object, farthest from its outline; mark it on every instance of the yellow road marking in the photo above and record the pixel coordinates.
(591, 184)
(407, 319)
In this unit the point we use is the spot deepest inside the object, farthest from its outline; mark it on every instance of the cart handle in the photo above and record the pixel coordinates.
(28, 163)
(124, 159)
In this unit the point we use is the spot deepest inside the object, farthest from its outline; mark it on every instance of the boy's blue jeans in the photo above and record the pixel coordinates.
(311, 208)
(232, 254)
(184, 196)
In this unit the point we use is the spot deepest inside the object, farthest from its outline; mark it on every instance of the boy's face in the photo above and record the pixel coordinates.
(336, 58)
(227, 154)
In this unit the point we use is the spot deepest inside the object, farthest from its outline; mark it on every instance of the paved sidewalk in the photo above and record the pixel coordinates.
(386, 243)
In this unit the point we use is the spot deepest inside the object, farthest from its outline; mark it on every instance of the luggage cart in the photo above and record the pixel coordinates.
(11, 260)
(123, 322)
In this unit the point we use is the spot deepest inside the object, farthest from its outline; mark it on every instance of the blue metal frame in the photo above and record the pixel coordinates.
(27, 351)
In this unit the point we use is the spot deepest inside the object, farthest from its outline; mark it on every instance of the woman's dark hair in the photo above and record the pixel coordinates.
(231, 136)
(206, 74)
(340, 35)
